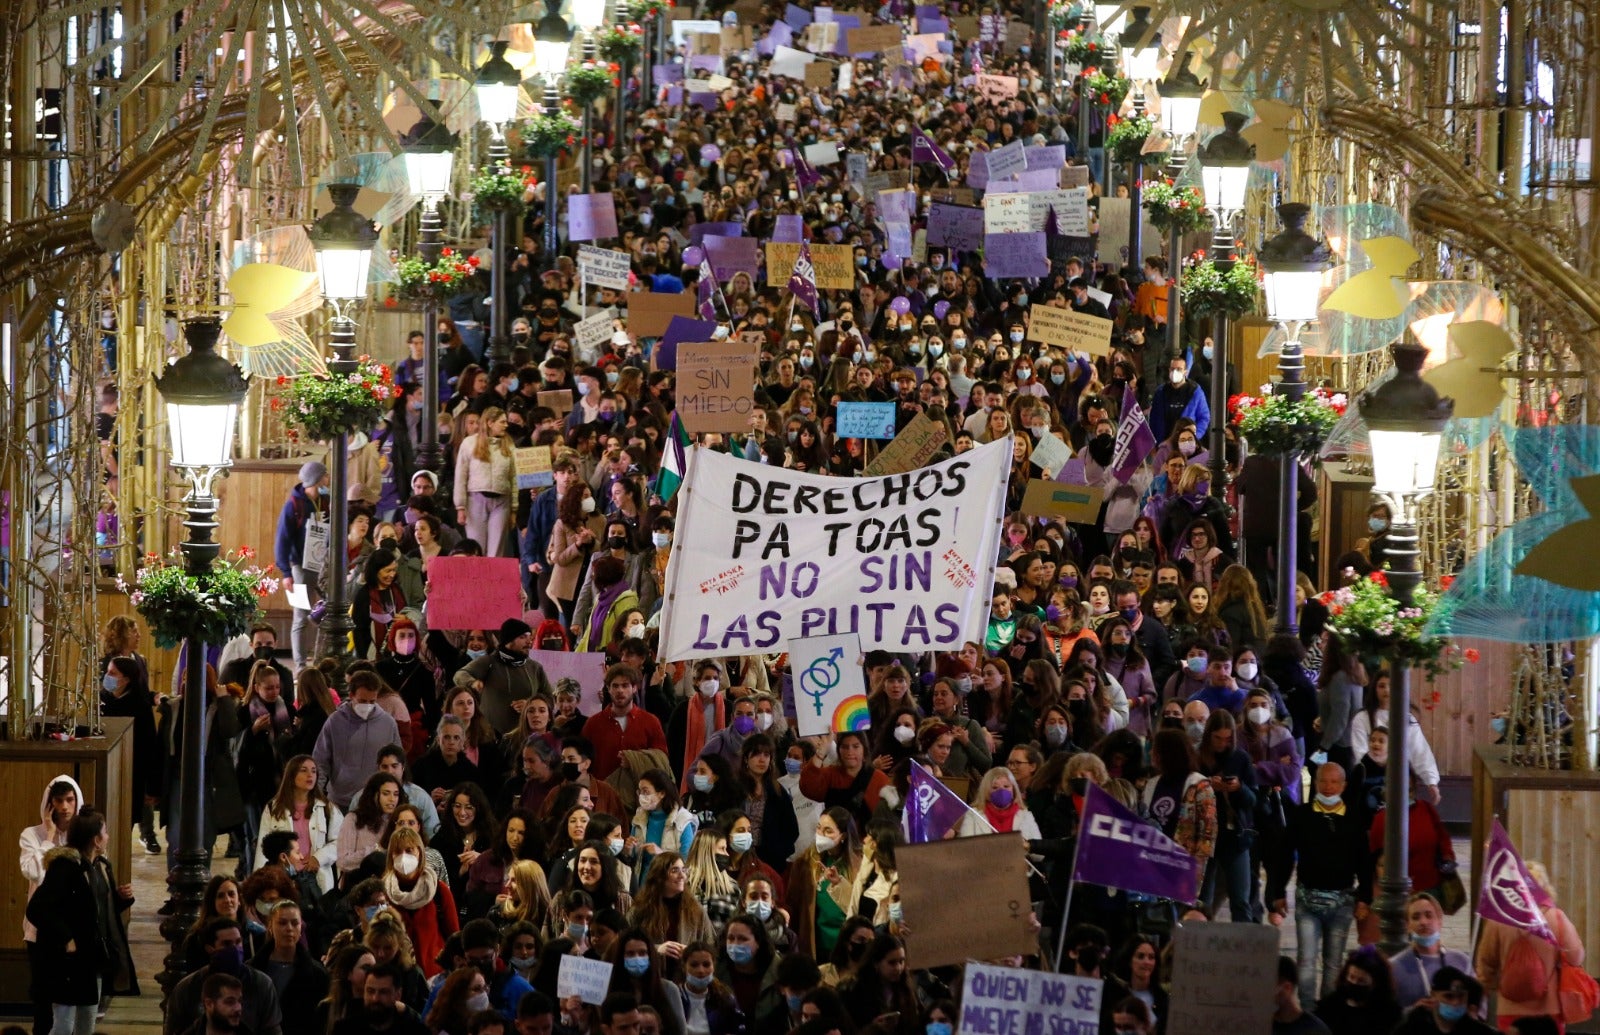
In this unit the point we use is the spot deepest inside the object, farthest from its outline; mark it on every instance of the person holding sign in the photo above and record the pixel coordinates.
(305, 510)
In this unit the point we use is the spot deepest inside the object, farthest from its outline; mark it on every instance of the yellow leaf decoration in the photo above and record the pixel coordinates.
(1379, 293)
(1473, 381)
(1270, 131)
(1567, 556)
(259, 291)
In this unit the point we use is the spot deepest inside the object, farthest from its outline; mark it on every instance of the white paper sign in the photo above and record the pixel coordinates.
(1007, 214)
(830, 686)
(1007, 999)
(1072, 209)
(604, 267)
(593, 332)
(314, 551)
(785, 113)
(583, 977)
(720, 83)
(1103, 297)
(856, 166)
(1008, 161)
(824, 153)
(1049, 453)
(682, 30)
(790, 62)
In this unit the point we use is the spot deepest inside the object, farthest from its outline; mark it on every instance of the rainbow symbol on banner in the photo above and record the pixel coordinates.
(852, 715)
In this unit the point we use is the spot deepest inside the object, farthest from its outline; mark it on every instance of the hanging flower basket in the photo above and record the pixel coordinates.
(1127, 137)
(420, 279)
(501, 188)
(1370, 623)
(1107, 90)
(213, 608)
(322, 406)
(550, 135)
(643, 10)
(590, 81)
(1174, 208)
(1062, 12)
(1081, 49)
(620, 43)
(1208, 291)
(1275, 424)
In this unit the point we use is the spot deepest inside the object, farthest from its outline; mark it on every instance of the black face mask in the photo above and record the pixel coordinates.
(1079, 785)
(1089, 958)
(617, 542)
(569, 771)
(1172, 722)
(263, 653)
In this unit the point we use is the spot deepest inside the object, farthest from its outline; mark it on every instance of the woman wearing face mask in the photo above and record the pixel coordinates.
(607, 597)
(571, 541)
(1374, 716)
(125, 691)
(1178, 798)
(1198, 556)
(660, 824)
(268, 721)
(1364, 1000)
(1194, 500)
(700, 715)
(999, 803)
(464, 993)
(807, 452)
(1379, 520)
(1232, 779)
(639, 970)
(1126, 663)
(765, 800)
(416, 681)
(709, 1006)
(423, 901)
(710, 881)
(897, 740)
(820, 880)
(713, 789)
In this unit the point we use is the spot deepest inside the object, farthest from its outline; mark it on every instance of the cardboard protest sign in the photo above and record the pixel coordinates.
(1079, 504)
(855, 168)
(780, 555)
(1222, 979)
(830, 686)
(679, 330)
(587, 667)
(819, 75)
(1009, 999)
(1006, 214)
(1049, 325)
(1075, 176)
(716, 385)
(585, 978)
(865, 420)
(897, 206)
(873, 40)
(785, 113)
(649, 312)
(1071, 206)
(835, 265)
(949, 932)
(997, 88)
(917, 444)
(604, 267)
(557, 399)
(533, 467)
(473, 592)
(1085, 332)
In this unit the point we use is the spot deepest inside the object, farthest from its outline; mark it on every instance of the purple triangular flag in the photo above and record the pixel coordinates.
(1135, 440)
(1509, 895)
(932, 809)
(923, 149)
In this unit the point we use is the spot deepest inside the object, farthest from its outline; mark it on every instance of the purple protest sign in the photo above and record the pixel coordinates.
(1016, 255)
(932, 809)
(929, 11)
(899, 242)
(674, 95)
(927, 26)
(796, 18)
(698, 232)
(680, 329)
(1508, 894)
(788, 229)
(591, 217)
(666, 75)
(1117, 849)
(706, 62)
(1046, 156)
(978, 170)
(730, 255)
(846, 22)
(955, 226)
(1025, 182)
(703, 100)
(1135, 440)
(897, 206)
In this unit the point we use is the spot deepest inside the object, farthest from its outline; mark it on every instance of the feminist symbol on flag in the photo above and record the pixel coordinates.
(821, 676)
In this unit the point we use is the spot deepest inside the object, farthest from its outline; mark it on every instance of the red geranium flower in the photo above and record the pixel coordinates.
(1471, 654)
(1447, 581)
(1380, 578)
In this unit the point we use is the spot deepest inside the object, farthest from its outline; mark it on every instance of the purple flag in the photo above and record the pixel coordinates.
(703, 291)
(803, 281)
(788, 229)
(1117, 849)
(923, 149)
(932, 809)
(1135, 440)
(1509, 896)
(805, 177)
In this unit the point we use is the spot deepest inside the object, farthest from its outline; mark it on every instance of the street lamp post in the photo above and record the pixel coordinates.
(343, 239)
(1180, 113)
(588, 14)
(620, 18)
(1140, 45)
(552, 41)
(1109, 22)
(1405, 418)
(497, 86)
(1292, 263)
(202, 392)
(430, 161)
(1224, 176)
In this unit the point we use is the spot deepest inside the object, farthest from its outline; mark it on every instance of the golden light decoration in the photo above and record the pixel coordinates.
(1287, 42)
(284, 56)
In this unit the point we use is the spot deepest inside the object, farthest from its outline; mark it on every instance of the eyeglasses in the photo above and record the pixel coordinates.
(678, 871)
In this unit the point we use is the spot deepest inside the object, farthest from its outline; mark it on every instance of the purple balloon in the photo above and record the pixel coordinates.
(901, 304)
(693, 255)
(939, 309)
(710, 152)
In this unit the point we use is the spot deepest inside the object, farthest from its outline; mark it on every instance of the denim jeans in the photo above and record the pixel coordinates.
(1322, 921)
(247, 840)
(72, 1020)
(1229, 872)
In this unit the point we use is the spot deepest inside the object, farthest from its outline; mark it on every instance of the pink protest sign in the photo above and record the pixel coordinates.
(591, 217)
(587, 667)
(473, 592)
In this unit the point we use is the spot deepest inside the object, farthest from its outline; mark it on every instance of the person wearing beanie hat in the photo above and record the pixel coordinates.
(306, 504)
(506, 676)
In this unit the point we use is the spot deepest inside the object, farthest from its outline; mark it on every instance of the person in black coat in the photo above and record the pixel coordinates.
(445, 765)
(268, 721)
(125, 692)
(72, 914)
(300, 980)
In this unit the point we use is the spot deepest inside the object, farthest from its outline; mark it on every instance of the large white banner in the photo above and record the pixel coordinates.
(764, 555)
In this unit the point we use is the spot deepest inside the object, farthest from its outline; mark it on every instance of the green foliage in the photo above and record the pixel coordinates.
(1370, 623)
(1275, 424)
(420, 279)
(550, 135)
(589, 82)
(1172, 207)
(321, 406)
(1127, 137)
(213, 608)
(1208, 291)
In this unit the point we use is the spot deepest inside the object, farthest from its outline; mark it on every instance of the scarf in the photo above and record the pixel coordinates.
(602, 607)
(695, 739)
(418, 895)
(1000, 819)
(281, 719)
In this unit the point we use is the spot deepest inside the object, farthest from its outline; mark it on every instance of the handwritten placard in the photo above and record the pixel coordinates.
(1085, 332)
(557, 399)
(824, 152)
(1079, 504)
(1071, 206)
(835, 265)
(649, 312)
(1222, 978)
(914, 447)
(955, 226)
(874, 39)
(604, 267)
(1007, 161)
(592, 332)
(819, 74)
(1049, 453)
(716, 385)
(996, 88)
(585, 978)
(865, 420)
(1007, 214)
(473, 592)
(591, 217)
(1016, 255)
(1009, 999)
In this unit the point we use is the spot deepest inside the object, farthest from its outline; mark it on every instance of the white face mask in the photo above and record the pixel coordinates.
(635, 632)
(826, 844)
(1259, 716)
(477, 1003)
(588, 505)
(905, 734)
(363, 709)
(405, 865)
(763, 721)
(648, 801)
(1177, 377)
(709, 687)
(1186, 447)
(1245, 670)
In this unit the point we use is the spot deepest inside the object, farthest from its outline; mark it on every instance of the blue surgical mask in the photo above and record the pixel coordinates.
(939, 1028)
(1499, 725)
(759, 909)
(1329, 801)
(1377, 524)
(109, 681)
(740, 953)
(897, 912)
(741, 841)
(1452, 1011)
(1016, 336)
(792, 765)
(1195, 665)
(702, 782)
(1427, 941)
(475, 654)
(577, 932)
(699, 984)
(1206, 351)
(638, 966)
(793, 1002)
(1058, 379)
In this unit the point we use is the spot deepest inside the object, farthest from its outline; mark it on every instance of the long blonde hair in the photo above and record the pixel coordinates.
(257, 671)
(532, 893)
(480, 447)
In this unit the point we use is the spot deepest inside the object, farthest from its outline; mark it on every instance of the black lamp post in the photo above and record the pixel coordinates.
(430, 150)
(620, 17)
(1140, 45)
(551, 43)
(202, 392)
(1293, 263)
(1405, 419)
(1180, 114)
(498, 86)
(1224, 175)
(343, 239)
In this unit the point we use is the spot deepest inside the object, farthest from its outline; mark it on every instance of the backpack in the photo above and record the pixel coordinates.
(1523, 979)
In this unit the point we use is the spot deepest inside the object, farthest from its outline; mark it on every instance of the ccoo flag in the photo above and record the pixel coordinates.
(923, 149)
(1117, 849)
(703, 290)
(932, 809)
(803, 281)
(1509, 895)
(1135, 440)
